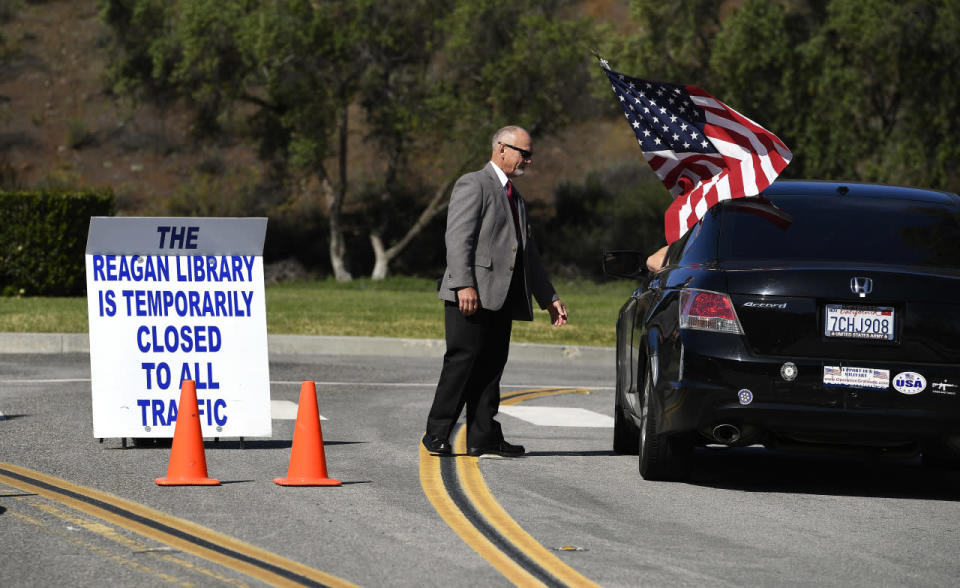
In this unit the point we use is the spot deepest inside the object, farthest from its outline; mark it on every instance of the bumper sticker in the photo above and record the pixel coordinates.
(944, 387)
(909, 383)
(856, 377)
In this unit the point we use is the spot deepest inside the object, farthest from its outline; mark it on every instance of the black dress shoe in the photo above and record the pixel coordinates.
(503, 449)
(435, 444)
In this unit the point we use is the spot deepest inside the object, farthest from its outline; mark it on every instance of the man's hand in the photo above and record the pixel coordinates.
(558, 313)
(468, 300)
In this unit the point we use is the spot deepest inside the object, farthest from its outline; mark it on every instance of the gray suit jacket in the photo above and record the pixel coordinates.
(482, 245)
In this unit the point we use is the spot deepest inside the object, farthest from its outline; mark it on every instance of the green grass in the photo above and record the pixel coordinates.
(396, 307)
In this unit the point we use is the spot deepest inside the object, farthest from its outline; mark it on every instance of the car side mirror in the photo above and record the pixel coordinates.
(625, 263)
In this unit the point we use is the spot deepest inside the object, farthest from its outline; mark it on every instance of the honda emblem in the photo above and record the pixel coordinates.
(861, 286)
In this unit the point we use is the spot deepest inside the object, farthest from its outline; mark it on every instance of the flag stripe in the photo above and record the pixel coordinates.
(701, 149)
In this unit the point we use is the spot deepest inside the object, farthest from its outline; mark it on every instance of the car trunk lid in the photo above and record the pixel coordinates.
(925, 308)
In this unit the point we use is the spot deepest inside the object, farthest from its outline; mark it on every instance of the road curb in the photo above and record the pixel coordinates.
(39, 343)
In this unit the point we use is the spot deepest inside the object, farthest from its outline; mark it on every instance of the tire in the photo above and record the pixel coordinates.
(626, 435)
(662, 457)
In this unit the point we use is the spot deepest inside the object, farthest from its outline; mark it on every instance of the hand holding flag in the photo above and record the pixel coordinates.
(700, 148)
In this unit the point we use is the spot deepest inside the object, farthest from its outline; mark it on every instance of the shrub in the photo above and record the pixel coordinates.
(617, 208)
(78, 135)
(43, 238)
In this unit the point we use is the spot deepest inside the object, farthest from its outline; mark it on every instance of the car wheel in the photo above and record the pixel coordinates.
(626, 435)
(662, 457)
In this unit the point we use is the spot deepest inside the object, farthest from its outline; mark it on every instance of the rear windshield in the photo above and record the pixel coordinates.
(845, 229)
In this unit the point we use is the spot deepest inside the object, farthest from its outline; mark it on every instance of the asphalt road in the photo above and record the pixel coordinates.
(747, 517)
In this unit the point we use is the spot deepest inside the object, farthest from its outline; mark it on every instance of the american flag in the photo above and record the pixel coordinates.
(702, 150)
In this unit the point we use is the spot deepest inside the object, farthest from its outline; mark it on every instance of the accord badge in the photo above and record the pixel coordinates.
(766, 305)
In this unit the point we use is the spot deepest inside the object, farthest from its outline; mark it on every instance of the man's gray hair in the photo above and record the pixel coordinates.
(499, 135)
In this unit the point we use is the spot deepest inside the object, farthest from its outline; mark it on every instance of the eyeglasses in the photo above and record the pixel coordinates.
(523, 152)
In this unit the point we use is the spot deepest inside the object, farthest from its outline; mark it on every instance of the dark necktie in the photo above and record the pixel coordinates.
(513, 206)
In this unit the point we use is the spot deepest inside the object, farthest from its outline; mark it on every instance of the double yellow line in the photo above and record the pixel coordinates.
(178, 533)
(480, 520)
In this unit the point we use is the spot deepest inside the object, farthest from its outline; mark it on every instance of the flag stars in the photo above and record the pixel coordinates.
(659, 114)
(671, 130)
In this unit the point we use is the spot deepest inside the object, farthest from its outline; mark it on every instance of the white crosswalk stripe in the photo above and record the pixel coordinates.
(555, 416)
(285, 410)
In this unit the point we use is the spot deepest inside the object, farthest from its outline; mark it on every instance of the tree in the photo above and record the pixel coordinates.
(672, 41)
(858, 89)
(524, 66)
(887, 73)
(295, 67)
(299, 69)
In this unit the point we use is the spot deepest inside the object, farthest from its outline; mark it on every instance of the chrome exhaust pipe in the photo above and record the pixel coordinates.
(726, 433)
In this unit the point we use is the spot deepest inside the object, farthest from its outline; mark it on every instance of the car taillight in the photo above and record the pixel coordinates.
(708, 311)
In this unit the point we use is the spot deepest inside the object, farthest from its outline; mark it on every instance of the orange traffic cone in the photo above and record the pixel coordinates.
(188, 466)
(308, 466)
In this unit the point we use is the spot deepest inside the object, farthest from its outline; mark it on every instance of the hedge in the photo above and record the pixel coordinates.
(43, 237)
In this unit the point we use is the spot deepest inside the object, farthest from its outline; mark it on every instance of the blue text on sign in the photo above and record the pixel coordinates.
(159, 412)
(188, 268)
(198, 338)
(159, 372)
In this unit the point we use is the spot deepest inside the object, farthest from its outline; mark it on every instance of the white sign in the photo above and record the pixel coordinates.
(173, 299)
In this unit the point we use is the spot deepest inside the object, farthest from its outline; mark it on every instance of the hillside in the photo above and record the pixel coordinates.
(60, 126)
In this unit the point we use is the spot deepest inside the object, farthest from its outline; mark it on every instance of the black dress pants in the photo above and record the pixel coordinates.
(477, 348)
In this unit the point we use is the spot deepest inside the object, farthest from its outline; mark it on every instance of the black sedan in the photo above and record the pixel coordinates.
(817, 316)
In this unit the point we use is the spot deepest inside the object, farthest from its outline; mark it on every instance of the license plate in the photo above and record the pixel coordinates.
(859, 322)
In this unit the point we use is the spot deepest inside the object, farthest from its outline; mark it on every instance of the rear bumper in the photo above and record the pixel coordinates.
(702, 390)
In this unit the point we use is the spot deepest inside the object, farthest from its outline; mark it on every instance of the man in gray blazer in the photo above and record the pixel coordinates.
(493, 267)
